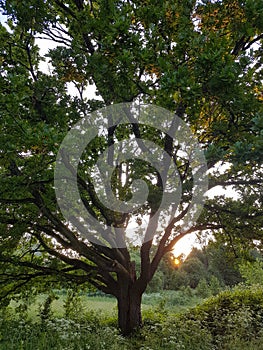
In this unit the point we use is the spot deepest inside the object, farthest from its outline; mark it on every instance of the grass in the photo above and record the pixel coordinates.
(98, 305)
(174, 301)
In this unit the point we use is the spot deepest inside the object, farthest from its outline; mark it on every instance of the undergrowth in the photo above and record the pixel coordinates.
(231, 320)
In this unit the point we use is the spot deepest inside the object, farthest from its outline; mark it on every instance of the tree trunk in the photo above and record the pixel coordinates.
(129, 308)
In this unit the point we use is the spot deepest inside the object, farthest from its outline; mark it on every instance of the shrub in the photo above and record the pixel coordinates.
(206, 289)
(232, 314)
(203, 289)
(72, 305)
(45, 311)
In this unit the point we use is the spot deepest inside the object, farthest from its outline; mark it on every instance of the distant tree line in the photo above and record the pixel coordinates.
(214, 266)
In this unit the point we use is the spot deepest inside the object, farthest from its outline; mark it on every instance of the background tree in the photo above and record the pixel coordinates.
(214, 264)
(201, 60)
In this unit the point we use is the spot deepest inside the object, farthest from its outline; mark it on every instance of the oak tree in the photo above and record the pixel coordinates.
(200, 60)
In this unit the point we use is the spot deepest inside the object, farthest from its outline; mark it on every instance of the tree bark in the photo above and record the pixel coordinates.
(129, 307)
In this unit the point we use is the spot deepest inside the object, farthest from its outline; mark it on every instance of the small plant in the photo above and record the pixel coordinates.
(203, 289)
(22, 302)
(72, 305)
(45, 311)
(214, 285)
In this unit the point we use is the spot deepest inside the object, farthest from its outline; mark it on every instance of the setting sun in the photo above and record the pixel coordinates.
(176, 261)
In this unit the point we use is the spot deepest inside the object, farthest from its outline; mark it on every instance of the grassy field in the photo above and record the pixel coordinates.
(98, 304)
(175, 301)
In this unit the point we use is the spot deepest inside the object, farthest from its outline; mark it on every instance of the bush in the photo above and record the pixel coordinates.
(72, 304)
(206, 289)
(45, 311)
(169, 297)
(232, 314)
(203, 289)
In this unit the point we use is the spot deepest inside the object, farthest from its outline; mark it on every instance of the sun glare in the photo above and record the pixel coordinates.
(176, 261)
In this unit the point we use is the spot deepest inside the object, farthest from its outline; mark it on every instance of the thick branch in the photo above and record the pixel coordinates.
(171, 244)
(214, 183)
